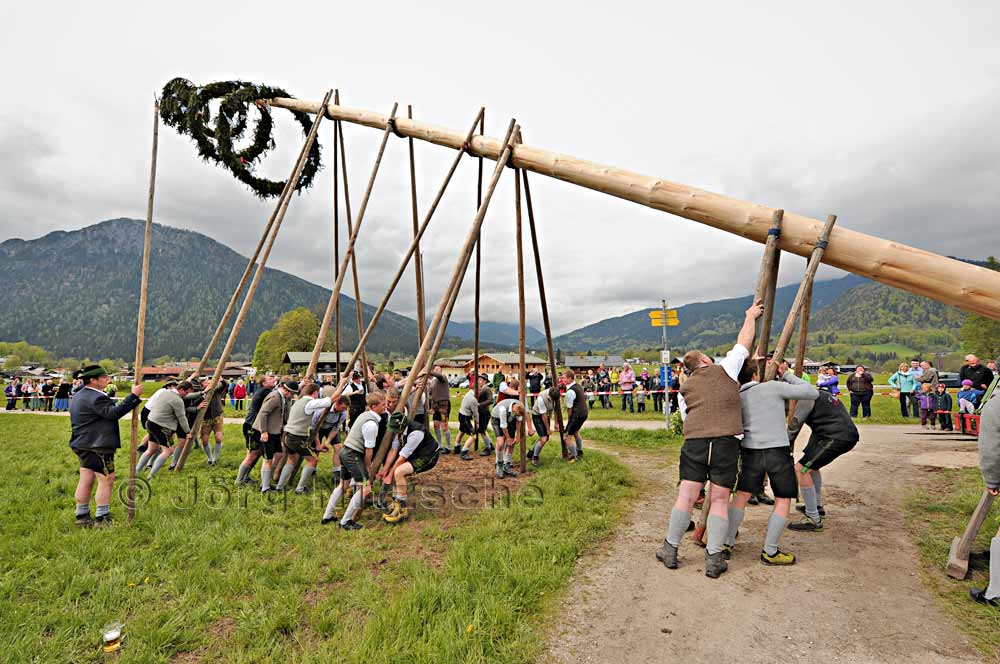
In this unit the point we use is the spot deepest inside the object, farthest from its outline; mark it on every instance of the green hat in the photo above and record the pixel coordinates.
(92, 371)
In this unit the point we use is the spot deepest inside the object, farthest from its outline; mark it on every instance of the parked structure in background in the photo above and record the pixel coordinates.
(581, 363)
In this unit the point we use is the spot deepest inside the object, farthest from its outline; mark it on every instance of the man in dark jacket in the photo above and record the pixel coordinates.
(252, 437)
(95, 439)
(973, 370)
(861, 385)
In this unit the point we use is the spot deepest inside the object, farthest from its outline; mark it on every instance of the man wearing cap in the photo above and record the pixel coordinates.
(269, 425)
(356, 391)
(95, 439)
(251, 436)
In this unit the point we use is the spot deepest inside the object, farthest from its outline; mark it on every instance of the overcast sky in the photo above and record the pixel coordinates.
(883, 113)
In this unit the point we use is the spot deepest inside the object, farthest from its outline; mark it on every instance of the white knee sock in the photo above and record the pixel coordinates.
(993, 590)
(331, 505)
(353, 507)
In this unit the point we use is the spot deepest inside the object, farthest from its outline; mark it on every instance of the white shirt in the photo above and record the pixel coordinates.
(732, 363)
(570, 396)
(413, 440)
(369, 431)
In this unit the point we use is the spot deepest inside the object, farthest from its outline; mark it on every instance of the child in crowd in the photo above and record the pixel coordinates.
(944, 405)
(968, 397)
(640, 398)
(928, 404)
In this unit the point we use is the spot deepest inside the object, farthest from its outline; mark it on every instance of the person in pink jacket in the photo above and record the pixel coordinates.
(626, 383)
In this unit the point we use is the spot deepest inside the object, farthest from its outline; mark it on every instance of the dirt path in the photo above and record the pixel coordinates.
(853, 596)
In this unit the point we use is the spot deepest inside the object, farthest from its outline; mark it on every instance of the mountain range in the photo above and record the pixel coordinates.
(75, 293)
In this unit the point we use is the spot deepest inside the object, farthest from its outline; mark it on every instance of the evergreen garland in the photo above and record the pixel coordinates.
(185, 107)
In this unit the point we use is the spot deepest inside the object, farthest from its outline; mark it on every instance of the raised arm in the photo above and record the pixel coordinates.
(749, 329)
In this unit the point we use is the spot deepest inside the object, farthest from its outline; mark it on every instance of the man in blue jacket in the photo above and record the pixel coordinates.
(94, 418)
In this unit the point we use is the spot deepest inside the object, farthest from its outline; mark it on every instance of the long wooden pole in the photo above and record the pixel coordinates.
(336, 242)
(140, 329)
(350, 256)
(282, 207)
(474, 383)
(418, 261)
(523, 389)
(800, 296)
(545, 309)
(767, 282)
(947, 280)
(454, 284)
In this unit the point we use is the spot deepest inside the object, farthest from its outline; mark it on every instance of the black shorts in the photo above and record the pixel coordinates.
(158, 434)
(498, 428)
(820, 452)
(352, 465)
(776, 463)
(101, 461)
(144, 416)
(424, 462)
(442, 410)
(575, 424)
(304, 445)
(251, 438)
(541, 428)
(715, 459)
(484, 420)
(466, 424)
(271, 447)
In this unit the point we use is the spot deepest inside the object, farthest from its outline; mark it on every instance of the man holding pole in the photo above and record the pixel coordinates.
(95, 439)
(713, 426)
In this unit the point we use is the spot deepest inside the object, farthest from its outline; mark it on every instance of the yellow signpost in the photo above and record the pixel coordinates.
(664, 318)
(664, 322)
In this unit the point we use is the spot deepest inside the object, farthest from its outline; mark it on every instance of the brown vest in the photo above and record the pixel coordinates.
(713, 404)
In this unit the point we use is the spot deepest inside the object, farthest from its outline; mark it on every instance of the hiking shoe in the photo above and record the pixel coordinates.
(752, 500)
(802, 509)
(727, 551)
(508, 471)
(445, 449)
(457, 450)
(397, 515)
(466, 456)
(534, 461)
(325, 521)
(572, 459)
(579, 454)
(807, 525)
(103, 521)
(667, 554)
(486, 451)
(84, 520)
(303, 489)
(764, 499)
(779, 558)
(351, 525)
(499, 471)
(715, 564)
(980, 596)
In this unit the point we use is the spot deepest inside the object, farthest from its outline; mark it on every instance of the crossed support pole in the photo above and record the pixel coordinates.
(961, 547)
(278, 216)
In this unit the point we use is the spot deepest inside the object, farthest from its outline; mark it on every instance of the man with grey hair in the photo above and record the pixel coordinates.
(974, 370)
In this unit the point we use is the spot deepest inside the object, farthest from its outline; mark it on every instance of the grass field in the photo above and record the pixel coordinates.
(938, 512)
(219, 575)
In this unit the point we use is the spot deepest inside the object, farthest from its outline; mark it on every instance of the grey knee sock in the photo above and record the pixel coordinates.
(242, 473)
(204, 448)
(716, 533)
(437, 435)
(447, 437)
(307, 472)
(286, 474)
(499, 453)
(818, 485)
(679, 521)
(735, 519)
(160, 460)
(579, 444)
(176, 455)
(143, 460)
(536, 450)
(809, 496)
(508, 456)
(353, 507)
(775, 526)
(265, 478)
(331, 504)
(218, 450)
(993, 590)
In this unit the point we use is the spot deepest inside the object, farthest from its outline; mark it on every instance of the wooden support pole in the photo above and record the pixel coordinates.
(800, 350)
(958, 556)
(351, 257)
(800, 296)
(968, 287)
(281, 208)
(454, 285)
(406, 258)
(545, 310)
(767, 283)
(418, 261)
(474, 383)
(336, 242)
(523, 388)
(140, 331)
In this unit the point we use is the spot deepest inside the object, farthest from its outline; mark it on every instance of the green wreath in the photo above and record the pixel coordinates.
(186, 107)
